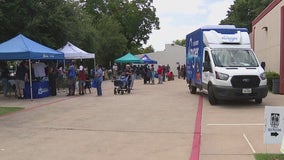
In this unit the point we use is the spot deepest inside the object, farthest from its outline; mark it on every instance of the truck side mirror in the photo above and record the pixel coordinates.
(262, 64)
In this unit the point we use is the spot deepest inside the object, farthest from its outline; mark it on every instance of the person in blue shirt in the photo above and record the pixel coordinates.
(99, 79)
(71, 79)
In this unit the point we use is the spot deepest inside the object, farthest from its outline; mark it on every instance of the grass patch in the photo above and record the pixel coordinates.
(6, 110)
(262, 156)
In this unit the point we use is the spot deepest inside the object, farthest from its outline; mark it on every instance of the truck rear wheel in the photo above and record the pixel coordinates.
(192, 89)
(211, 97)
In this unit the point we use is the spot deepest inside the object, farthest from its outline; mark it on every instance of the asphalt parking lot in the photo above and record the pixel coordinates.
(153, 122)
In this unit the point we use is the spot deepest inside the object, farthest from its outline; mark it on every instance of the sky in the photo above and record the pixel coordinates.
(180, 17)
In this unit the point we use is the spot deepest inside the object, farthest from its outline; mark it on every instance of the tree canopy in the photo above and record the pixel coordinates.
(243, 12)
(109, 28)
(50, 22)
(180, 42)
(136, 17)
(106, 27)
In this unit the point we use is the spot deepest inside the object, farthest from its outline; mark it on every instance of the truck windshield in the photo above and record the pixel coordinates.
(234, 58)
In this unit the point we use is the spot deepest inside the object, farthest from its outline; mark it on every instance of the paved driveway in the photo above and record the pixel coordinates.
(153, 122)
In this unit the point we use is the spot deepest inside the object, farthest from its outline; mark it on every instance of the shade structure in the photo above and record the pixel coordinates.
(129, 58)
(22, 48)
(148, 60)
(73, 52)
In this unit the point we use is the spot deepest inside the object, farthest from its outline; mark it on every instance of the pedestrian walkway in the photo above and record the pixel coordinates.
(153, 122)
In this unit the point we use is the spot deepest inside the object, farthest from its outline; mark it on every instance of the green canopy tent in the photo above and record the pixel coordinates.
(129, 58)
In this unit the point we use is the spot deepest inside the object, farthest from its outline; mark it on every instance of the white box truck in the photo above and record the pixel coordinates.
(220, 61)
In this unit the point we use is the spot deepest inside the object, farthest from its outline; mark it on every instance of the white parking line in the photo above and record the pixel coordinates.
(236, 124)
(251, 147)
(240, 124)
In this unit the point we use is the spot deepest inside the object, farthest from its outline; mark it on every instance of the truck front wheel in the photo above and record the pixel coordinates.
(192, 89)
(211, 97)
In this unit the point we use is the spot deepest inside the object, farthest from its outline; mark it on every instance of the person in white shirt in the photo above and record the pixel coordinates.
(114, 71)
(60, 75)
(39, 69)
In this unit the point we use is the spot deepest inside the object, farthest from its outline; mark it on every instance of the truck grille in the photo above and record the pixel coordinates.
(245, 81)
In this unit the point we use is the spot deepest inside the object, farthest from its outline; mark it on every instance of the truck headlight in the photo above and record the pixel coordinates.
(221, 76)
(263, 76)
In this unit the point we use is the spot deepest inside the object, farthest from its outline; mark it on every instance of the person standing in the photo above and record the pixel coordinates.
(148, 74)
(88, 84)
(99, 79)
(52, 75)
(160, 74)
(82, 79)
(114, 71)
(71, 79)
(152, 74)
(145, 71)
(179, 71)
(60, 76)
(183, 71)
(5, 77)
(128, 73)
(164, 73)
(21, 78)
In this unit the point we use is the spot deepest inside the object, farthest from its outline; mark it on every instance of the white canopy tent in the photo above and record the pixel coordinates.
(73, 52)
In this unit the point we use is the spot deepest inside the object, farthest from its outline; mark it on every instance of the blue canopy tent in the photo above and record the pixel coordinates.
(148, 60)
(22, 48)
(129, 58)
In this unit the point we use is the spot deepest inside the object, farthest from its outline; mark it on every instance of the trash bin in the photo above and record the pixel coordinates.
(275, 85)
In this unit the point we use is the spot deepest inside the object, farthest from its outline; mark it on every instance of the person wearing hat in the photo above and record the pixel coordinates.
(82, 79)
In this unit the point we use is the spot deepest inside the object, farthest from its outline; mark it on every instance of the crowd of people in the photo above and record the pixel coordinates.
(148, 73)
(55, 74)
(78, 78)
(81, 78)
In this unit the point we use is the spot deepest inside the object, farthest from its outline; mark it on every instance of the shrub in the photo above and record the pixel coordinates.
(271, 75)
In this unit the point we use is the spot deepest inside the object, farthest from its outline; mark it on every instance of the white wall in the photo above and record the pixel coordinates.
(267, 43)
(172, 55)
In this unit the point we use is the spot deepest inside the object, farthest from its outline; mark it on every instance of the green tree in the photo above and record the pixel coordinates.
(141, 50)
(137, 18)
(14, 17)
(148, 49)
(110, 42)
(179, 42)
(243, 12)
(52, 22)
(106, 27)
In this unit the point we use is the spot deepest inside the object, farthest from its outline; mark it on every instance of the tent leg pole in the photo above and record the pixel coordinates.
(31, 80)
